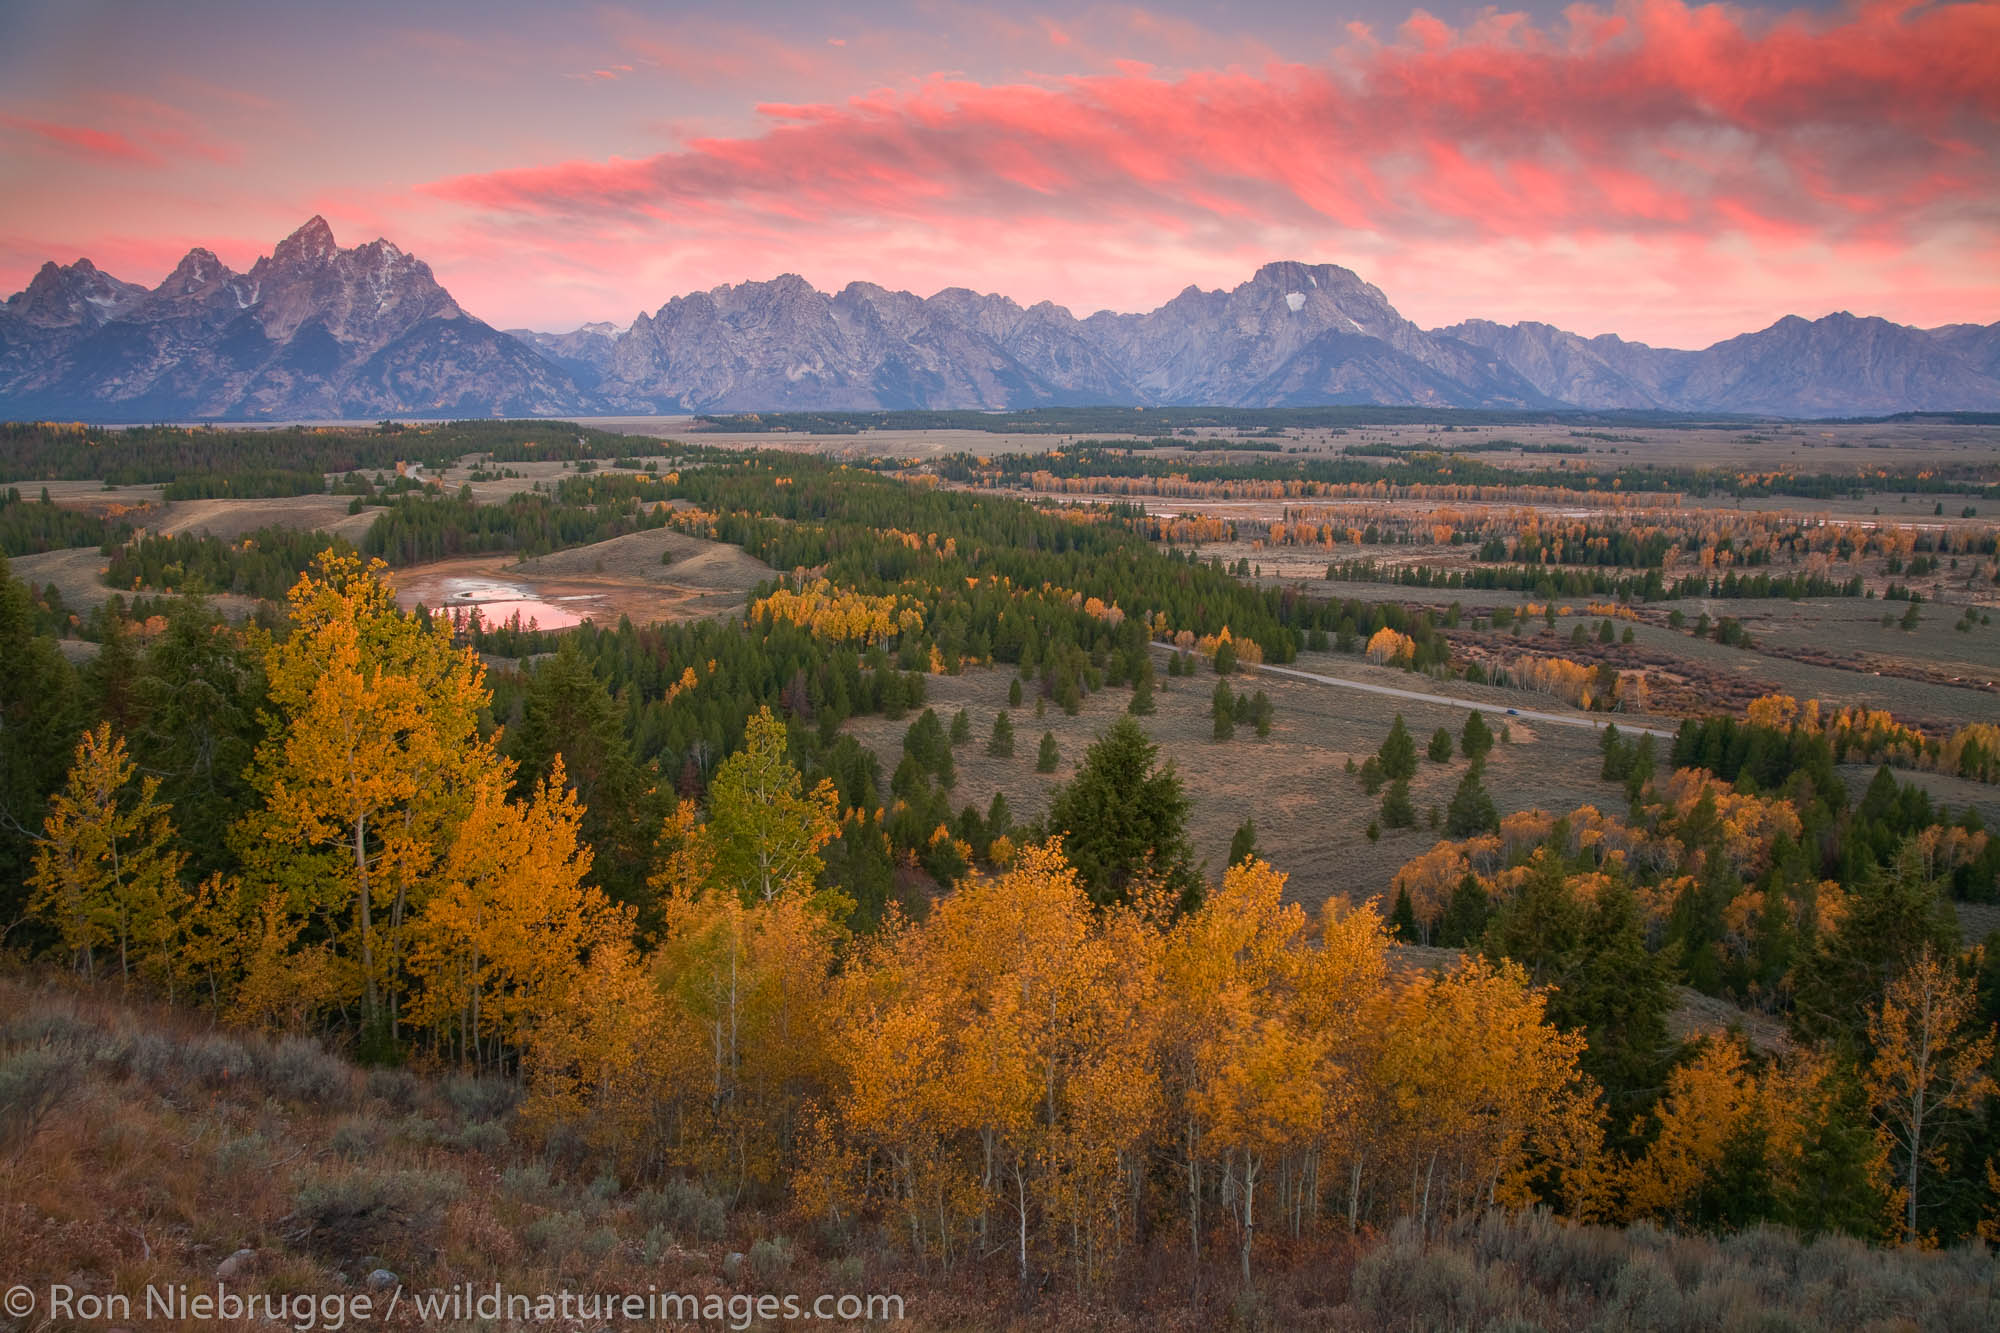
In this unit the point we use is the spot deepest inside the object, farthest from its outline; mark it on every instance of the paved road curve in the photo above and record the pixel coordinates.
(1501, 711)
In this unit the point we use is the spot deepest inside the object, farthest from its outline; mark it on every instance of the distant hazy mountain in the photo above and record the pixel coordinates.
(317, 331)
(1835, 366)
(310, 331)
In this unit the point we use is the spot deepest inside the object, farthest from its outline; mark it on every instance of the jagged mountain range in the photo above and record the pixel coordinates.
(316, 331)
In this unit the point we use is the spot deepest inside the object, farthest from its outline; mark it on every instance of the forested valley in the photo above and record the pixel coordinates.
(628, 914)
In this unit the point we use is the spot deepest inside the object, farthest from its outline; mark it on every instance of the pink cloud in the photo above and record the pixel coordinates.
(1657, 116)
(81, 141)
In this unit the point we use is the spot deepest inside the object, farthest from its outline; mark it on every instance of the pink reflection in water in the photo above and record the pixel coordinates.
(533, 614)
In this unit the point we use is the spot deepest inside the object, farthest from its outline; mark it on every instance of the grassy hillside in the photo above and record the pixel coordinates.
(142, 1146)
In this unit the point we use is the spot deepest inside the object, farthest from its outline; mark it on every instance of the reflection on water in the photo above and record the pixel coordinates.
(496, 603)
(534, 614)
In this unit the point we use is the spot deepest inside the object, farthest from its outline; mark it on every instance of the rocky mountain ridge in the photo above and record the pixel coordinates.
(313, 330)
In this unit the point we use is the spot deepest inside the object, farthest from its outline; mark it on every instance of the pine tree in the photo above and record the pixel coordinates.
(1617, 758)
(1475, 740)
(1243, 846)
(1471, 811)
(1465, 915)
(1440, 746)
(961, 728)
(1397, 810)
(1014, 692)
(40, 716)
(1398, 752)
(1123, 815)
(568, 716)
(1047, 756)
(1403, 917)
(1260, 713)
(1001, 746)
(1142, 689)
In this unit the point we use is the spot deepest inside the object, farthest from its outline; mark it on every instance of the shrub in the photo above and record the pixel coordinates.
(771, 1259)
(353, 1213)
(302, 1071)
(356, 1137)
(482, 1136)
(556, 1236)
(1403, 1284)
(396, 1088)
(212, 1060)
(33, 1083)
(480, 1098)
(530, 1183)
(685, 1206)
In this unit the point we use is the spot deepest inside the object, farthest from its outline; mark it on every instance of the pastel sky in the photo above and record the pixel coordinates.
(1671, 172)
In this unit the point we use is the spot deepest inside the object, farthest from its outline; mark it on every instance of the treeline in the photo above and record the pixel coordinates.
(29, 527)
(52, 451)
(1457, 470)
(1541, 580)
(1146, 421)
(1558, 581)
(246, 484)
(582, 510)
(262, 564)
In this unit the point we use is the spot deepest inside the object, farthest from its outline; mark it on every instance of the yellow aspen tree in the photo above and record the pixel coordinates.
(1488, 1095)
(283, 985)
(1229, 970)
(510, 920)
(1709, 1102)
(1344, 993)
(1929, 1069)
(376, 747)
(600, 1057)
(104, 872)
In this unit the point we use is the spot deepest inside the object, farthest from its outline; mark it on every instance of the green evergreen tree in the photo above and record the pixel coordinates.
(1617, 758)
(1465, 915)
(1398, 752)
(1403, 917)
(1014, 692)
(1440, 747)
(41, 715)
(961, 728)
(1001, 746)
(999, 819)
(1471, 810)
(1892, 914)
(1225, 657)
(1142, 689)
(1047, 757)
(1397, 811)
(1124, 815)
(1475, 740)
(1243, 846)
(200, 690)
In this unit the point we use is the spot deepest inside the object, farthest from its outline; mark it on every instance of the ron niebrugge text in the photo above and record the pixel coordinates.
(329, 1313)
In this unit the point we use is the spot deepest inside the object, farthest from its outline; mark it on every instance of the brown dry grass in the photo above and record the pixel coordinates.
(1311, 815)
